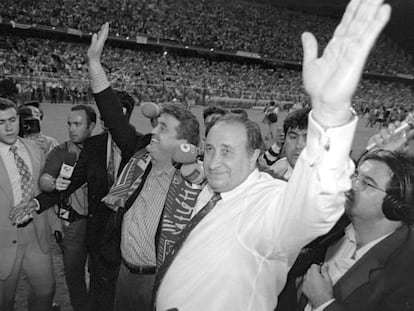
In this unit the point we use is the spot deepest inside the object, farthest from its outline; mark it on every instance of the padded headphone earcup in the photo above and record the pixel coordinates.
(394, 209)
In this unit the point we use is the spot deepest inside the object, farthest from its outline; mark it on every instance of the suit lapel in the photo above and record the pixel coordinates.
(5, 182)
(366, 267)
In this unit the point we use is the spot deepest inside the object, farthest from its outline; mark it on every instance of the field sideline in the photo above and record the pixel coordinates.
(55, 124)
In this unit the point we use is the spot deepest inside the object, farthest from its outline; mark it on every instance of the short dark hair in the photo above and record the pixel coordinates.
(90, 112)
(240, 112)
(296, 119)
(33, 103)
(189, 127)
(7, 104)
(254, 134)
(401, 184)
(213, 110)
(126, 101)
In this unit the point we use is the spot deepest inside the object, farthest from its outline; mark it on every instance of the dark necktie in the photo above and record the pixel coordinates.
(26, 181)
(183, 236)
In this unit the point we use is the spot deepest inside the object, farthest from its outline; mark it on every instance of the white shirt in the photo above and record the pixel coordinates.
(238, 256)
(11, 167)
(345, 256)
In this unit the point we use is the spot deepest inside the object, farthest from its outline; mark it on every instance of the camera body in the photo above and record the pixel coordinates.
(28, 125)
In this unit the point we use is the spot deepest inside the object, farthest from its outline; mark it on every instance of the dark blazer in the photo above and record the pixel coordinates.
(382, 280)
(91, 165)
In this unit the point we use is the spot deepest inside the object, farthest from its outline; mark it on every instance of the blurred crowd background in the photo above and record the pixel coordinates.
(55, 70)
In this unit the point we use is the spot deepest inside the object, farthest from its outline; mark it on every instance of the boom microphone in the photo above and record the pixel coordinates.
(186, 153)
(68, 165)
(150, 110)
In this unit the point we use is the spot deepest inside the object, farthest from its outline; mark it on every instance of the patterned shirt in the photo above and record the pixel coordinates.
(140, 223)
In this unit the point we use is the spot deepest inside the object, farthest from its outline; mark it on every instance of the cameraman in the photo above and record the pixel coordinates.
(30, 118)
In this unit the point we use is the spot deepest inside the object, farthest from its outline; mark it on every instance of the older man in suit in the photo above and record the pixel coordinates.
(371, 267)
(24, 247)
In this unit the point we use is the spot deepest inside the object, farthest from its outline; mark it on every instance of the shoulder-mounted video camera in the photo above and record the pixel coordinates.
(28, 124)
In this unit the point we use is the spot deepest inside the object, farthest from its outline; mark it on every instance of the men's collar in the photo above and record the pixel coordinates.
(5, 147)
(240, 189)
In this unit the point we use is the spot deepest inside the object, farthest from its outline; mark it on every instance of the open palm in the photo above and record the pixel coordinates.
(97, 43)
(331, 80)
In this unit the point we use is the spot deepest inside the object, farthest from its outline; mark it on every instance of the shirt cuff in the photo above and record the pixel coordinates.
(99, 81)
(323, 306)
(335, 143)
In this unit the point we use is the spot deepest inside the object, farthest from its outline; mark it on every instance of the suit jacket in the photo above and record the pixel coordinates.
(382, 279)
(8, 231)
(91, 167)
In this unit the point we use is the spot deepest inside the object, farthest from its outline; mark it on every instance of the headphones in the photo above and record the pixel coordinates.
(398, 204)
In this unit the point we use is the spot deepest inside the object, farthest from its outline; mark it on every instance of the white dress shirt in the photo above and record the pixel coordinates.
(238, 256)
(11, 167)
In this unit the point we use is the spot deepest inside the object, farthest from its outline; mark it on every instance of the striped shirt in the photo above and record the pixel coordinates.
(140, 223)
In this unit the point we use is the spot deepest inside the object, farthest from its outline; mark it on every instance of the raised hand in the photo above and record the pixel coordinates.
(331, 79)
(97, 44)
(22, 213)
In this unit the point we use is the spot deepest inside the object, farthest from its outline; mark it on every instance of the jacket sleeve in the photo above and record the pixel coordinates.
(78, 178)
(123, 133)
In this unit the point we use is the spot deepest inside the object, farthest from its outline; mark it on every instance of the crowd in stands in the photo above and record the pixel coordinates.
(57, 71)
(230, 25)
(154, 76)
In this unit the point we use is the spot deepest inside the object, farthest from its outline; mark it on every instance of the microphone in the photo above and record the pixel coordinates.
(150, 110)
(186, 153)
(405, 125)
(193, 172)
(68, 165)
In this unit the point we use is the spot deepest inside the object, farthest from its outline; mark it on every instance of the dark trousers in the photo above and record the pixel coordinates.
(103, 277)
(133, 291)
(74, 259)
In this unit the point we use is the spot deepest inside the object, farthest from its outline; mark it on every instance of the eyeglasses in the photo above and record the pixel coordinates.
(361, 182)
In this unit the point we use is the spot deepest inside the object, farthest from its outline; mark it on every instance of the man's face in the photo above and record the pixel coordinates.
(227, 163)
(9, 126)
(164, 139)
(78, 126)
(295, 141)
(364, 201)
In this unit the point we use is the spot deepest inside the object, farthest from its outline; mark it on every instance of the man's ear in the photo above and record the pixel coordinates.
(254, 158)
(92, 126)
